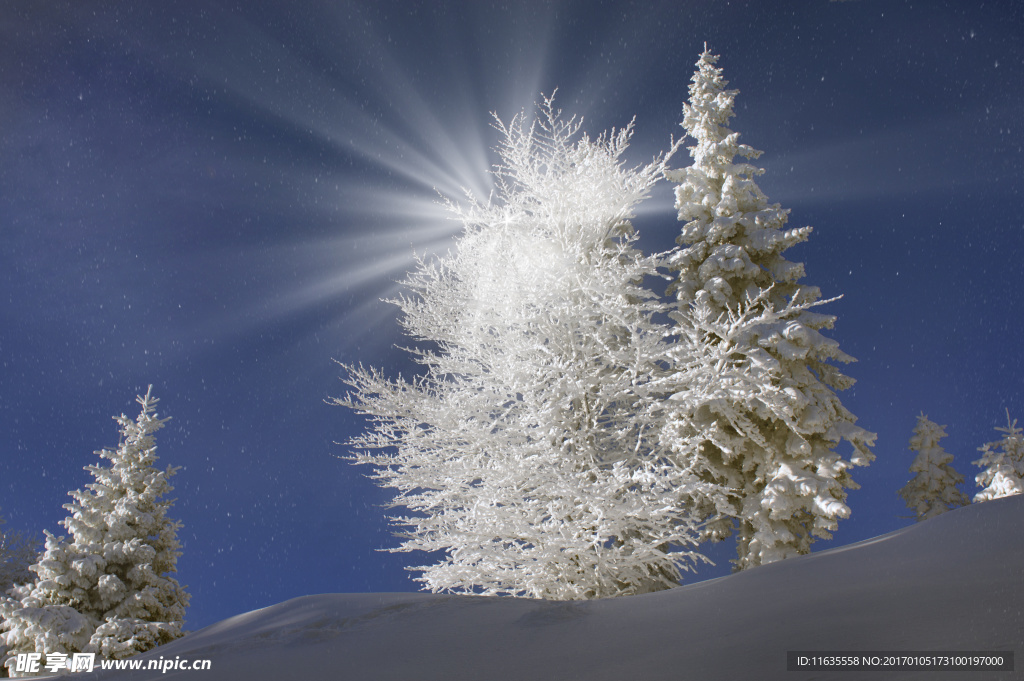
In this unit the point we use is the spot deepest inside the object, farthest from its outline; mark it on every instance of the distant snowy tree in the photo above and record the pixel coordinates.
(17, 553)
(777, 456)
(1003, 461)
(933, 490)
(528, 451)
(108, 588)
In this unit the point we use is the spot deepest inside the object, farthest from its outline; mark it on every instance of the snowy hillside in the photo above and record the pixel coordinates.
(952, 583)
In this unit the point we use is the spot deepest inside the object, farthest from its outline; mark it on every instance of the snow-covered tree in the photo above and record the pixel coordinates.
(776, 455)
(1003, 461)
(107, 589)
(17, 553)
(933, 490)
(527, 451)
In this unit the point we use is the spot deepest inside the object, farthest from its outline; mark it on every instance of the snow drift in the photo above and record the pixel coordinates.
(951, 583)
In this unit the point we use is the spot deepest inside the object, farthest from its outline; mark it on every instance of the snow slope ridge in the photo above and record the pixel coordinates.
(950, 583)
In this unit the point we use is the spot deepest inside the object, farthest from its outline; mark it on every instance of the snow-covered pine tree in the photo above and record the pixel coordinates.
(777, 457)
(1003, 461)
(527, 450)
(17, 553)
(108, 588)
(933, 490)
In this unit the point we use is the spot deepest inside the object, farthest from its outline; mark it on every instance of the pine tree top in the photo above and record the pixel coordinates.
(1003, 463)
(706, 116)
(734, 237)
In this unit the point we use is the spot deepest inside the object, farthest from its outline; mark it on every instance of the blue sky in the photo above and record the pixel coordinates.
(213, 198)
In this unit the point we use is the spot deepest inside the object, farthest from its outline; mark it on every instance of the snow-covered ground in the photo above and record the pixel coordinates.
(953, 583)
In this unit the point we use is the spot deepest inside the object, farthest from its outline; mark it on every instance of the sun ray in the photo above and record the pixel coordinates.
(410, 144)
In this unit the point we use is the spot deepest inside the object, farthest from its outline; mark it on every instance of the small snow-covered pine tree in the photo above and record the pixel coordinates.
(933, 490)
(527, 452)
(108, 588)
(17, 553)
(776, 455)
(1003, 461)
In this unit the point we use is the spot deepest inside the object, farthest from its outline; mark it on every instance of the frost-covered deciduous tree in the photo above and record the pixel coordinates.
(778, 457)
(527, 451)
(17, 553)
(933, 490)
(107, 589)
(1003, 461)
